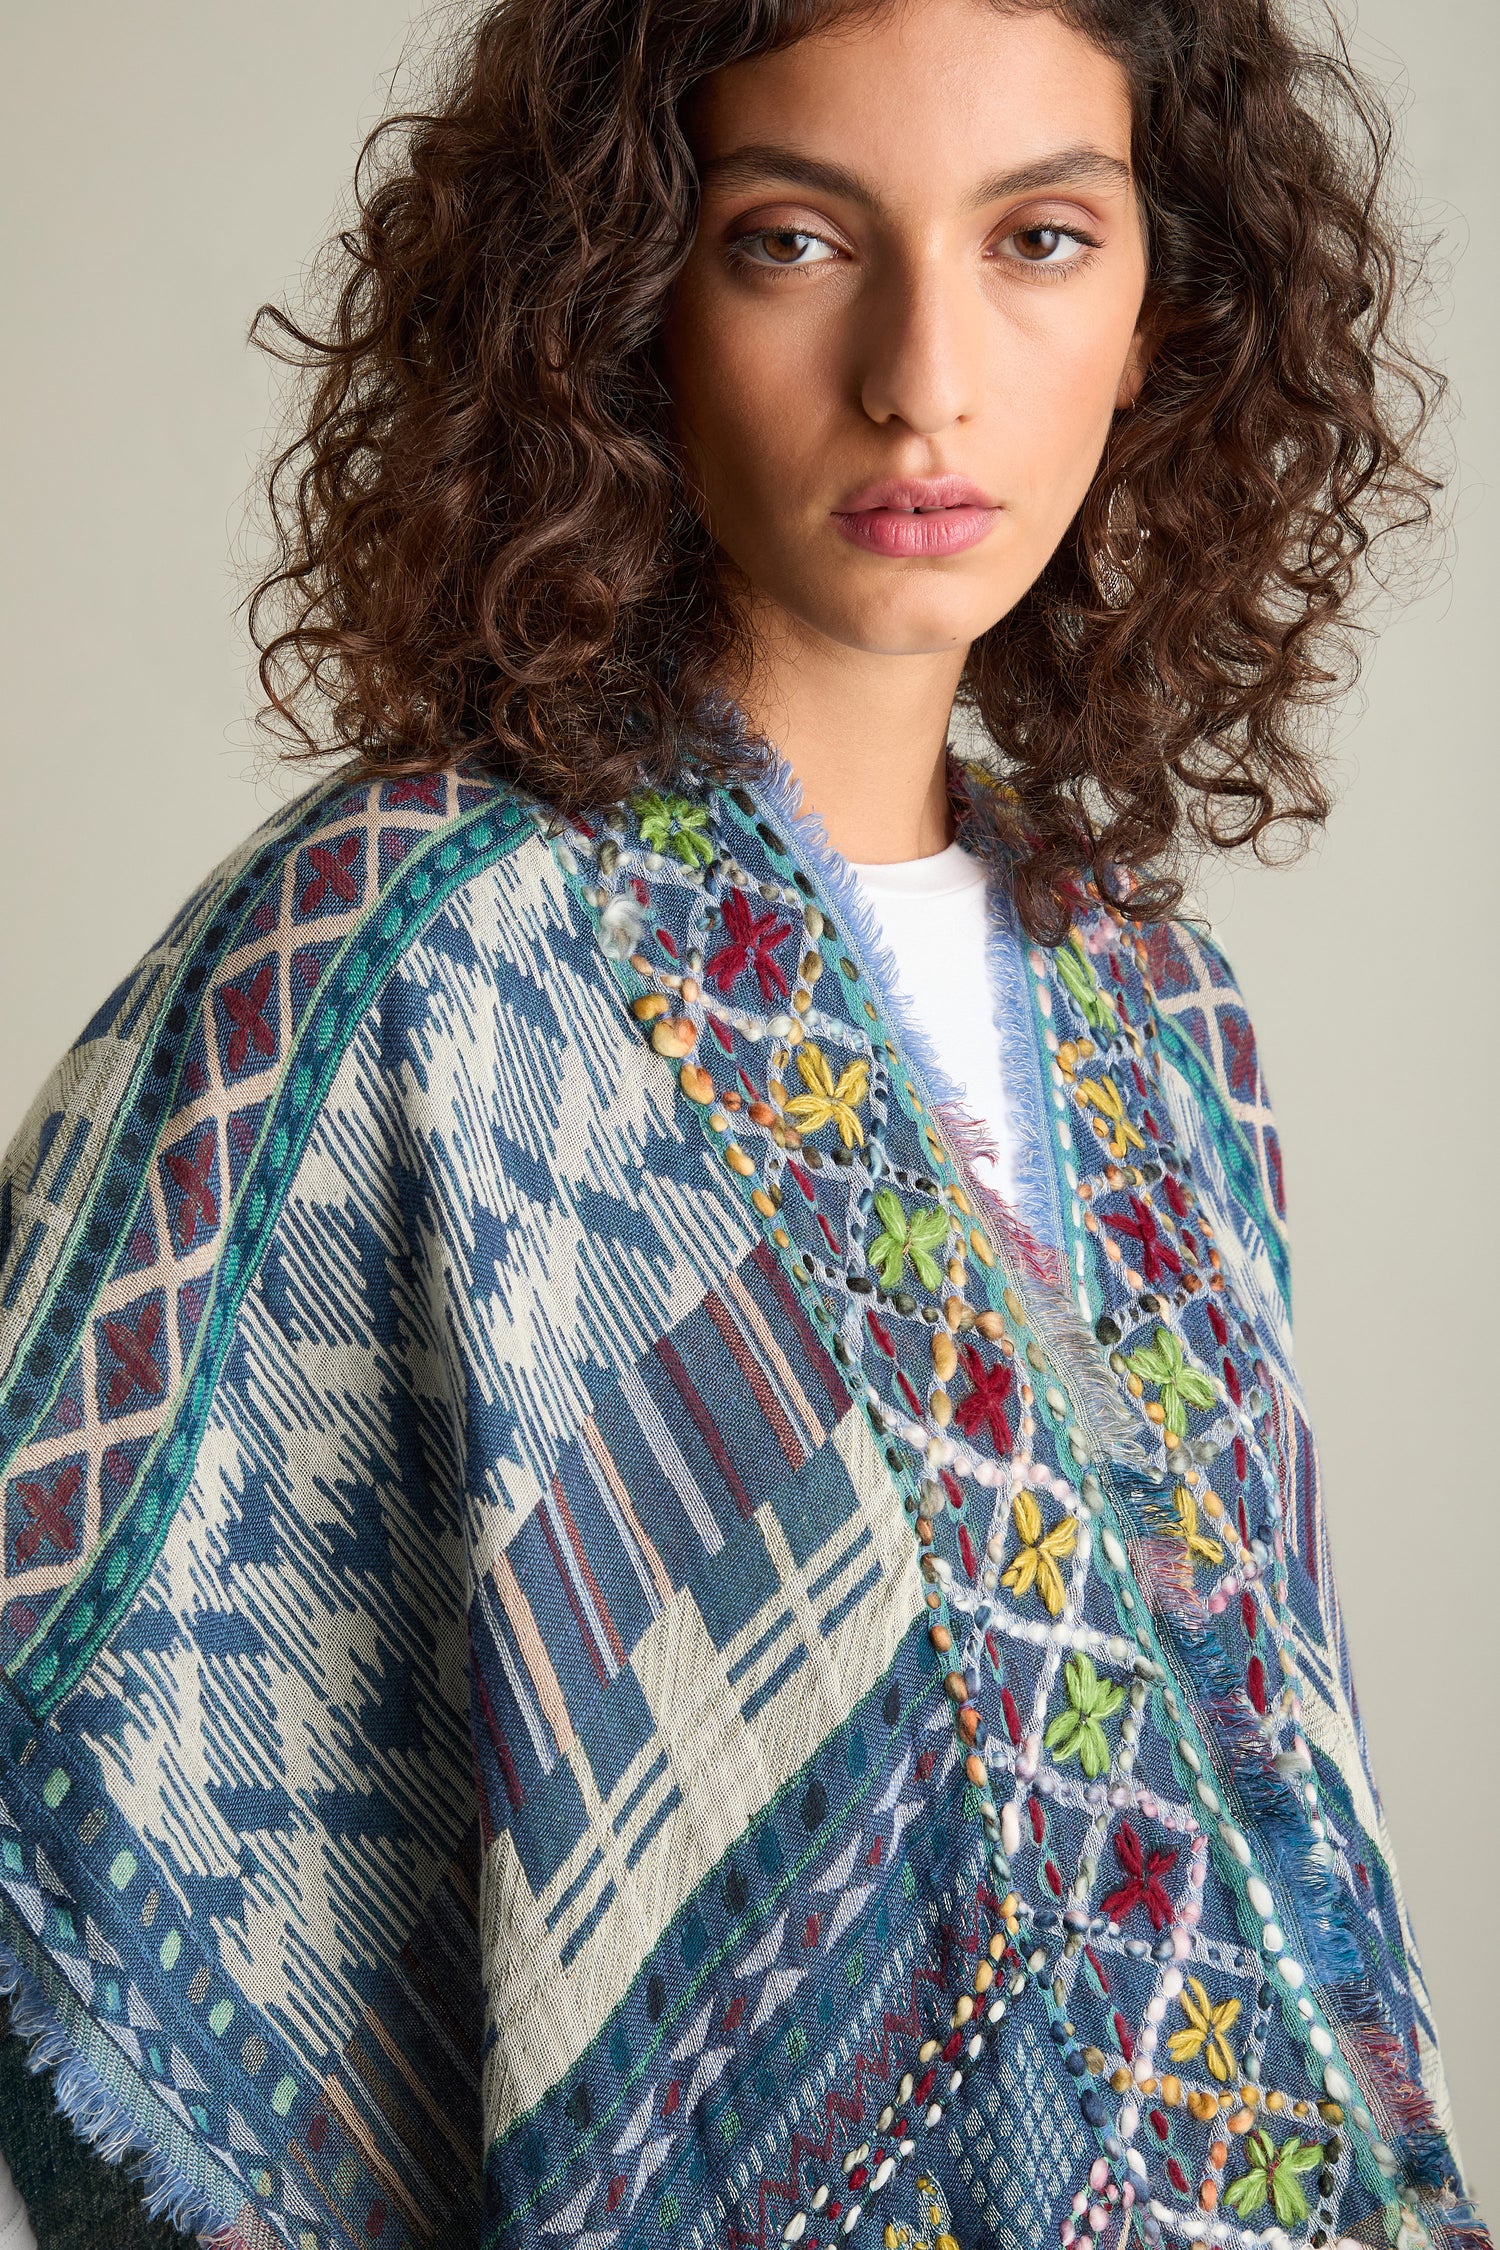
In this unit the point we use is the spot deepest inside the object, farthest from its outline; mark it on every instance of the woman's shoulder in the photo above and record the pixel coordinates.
(245, 1004)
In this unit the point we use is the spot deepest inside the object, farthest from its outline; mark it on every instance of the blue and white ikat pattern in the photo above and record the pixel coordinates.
(599, 1648)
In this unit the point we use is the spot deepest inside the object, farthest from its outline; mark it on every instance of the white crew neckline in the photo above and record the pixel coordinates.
(933, 914)
(936, 875)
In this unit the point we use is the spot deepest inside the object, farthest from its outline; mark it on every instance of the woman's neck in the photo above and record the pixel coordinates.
(865, 737)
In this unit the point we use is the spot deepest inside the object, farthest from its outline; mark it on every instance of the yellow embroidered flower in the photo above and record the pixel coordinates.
(829, 1101)
(1207, 2025)
(1036, 1559)
(1198, 1544)
(1115, 1128)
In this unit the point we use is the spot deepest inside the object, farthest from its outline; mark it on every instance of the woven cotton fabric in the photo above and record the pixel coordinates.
(598, 1647)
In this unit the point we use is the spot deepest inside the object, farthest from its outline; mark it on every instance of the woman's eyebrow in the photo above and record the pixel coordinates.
(1055, 170)
(761, 161)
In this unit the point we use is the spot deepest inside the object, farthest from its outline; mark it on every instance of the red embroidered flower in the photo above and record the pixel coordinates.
(751, 943)
(1157, 1257)
(984, 1408)
(1142, 1885)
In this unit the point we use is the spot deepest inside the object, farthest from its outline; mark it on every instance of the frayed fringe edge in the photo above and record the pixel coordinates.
(967, 1135)
(1187, 1630)
(1412, 2123)
(1065, 1331)
(778, 784)
(100, 2120)
(1059, 1314)
(1072, 1342)
(1006, 953)
(1467, 2233)
(970, 1139)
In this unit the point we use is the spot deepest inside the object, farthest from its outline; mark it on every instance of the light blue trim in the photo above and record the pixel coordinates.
(859, 922)
(1022, 1069)
(1056, 1311)
(101, 2119)
(1036, 1190)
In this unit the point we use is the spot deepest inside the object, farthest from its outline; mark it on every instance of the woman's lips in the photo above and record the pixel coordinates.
(917, 516)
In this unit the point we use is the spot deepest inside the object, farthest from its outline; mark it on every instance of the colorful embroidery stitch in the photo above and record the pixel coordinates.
(601, 1647)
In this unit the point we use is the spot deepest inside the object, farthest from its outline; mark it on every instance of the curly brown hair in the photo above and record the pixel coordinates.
(486, 549)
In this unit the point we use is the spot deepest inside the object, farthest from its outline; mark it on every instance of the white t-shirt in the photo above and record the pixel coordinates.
(15, 2223)
(932, 914)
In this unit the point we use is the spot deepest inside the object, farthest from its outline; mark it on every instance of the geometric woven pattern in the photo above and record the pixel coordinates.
(1157, 1249)
(231, 986)
(602, 1647)
(1203, 1014)
(1023, 2131)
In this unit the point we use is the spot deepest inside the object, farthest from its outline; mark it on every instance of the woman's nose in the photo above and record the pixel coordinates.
(920, 347)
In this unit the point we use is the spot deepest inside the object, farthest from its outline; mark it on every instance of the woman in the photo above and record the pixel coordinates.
(666, 1574)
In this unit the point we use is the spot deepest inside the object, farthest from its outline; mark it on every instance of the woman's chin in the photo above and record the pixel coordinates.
(900, 625)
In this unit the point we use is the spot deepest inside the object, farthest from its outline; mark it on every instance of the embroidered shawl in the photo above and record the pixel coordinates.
(598, 1648)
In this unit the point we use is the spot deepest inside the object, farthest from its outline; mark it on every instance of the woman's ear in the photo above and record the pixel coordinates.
(1137, 363)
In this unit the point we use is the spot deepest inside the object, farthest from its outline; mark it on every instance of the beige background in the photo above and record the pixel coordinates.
(173, 162)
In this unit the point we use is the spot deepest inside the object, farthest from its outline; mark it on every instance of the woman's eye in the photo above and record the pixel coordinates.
(1039, 245)
(783, 246)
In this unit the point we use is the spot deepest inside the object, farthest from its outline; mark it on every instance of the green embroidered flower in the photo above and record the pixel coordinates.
(1077, 973)
(907, 1234)
(673, 824)
(1161, 1362)
(1272, 2171)
(1079, 1731)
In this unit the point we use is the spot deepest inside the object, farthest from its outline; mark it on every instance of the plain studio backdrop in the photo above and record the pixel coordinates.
(173, 163)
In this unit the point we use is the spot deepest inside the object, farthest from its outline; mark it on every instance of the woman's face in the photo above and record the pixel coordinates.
(908, 315)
